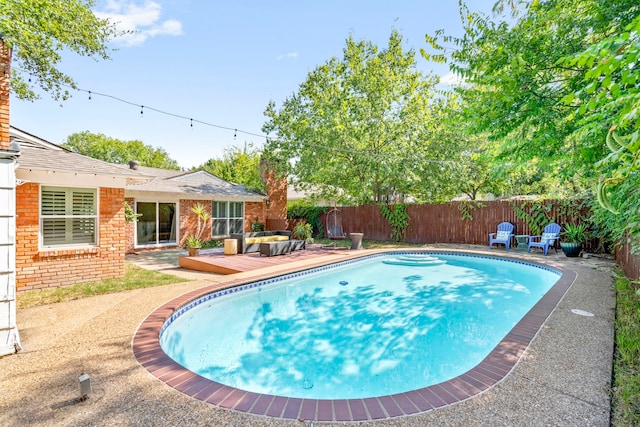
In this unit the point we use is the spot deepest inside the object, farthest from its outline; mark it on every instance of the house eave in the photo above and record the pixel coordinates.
(137, 194)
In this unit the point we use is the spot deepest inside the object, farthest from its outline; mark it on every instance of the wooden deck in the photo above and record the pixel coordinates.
(231, 264)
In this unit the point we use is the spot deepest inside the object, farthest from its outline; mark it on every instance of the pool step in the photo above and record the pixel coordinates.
(417, 260)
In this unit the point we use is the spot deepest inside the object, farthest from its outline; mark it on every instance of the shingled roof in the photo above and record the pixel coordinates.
(37, 154)
(198, 183)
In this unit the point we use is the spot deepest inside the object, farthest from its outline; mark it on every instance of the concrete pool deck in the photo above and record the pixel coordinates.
(563, 378)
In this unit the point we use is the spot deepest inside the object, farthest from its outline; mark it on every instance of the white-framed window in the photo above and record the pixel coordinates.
(156, 224)
(68, 216)
(227, 218)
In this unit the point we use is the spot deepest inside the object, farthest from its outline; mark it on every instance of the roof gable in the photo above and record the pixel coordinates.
(197, 183)
(202, 177)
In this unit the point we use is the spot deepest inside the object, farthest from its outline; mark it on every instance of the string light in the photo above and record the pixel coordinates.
(166, 113)
(236, 131)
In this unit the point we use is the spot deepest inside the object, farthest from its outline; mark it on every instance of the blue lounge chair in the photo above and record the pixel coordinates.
(550, 236)
(503, 236)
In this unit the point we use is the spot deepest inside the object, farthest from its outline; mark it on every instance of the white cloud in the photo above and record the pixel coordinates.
(140, 21)
(290, 55)
(452, 79)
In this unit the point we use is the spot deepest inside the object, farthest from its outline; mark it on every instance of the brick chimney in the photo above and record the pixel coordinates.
(277, 197)
(5, 71)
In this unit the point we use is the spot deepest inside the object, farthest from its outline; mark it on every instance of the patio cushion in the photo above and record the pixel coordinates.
(502, 235)
(275, 238)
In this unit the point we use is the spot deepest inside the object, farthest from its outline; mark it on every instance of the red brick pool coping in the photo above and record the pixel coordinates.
(493, 369)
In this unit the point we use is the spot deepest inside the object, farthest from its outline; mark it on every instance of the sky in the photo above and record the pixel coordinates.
(218, 63)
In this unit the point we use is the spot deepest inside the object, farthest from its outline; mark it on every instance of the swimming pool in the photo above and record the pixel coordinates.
(390, 338)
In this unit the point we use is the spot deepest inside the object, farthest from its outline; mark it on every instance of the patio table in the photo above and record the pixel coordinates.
(523, 241)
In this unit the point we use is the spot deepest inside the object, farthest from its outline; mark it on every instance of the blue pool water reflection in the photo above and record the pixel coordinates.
(390, 328)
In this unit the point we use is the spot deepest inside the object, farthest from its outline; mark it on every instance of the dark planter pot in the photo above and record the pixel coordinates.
(571, 249)
(193, 251)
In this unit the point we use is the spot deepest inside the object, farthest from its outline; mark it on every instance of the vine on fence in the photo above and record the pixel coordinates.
(537, 215)
(398, 219)
(467, 206)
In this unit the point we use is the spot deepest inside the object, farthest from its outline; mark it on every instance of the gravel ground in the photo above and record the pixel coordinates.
(563, 379)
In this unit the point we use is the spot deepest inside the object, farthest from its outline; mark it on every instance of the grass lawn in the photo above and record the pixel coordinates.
(134, 278)
(625, 393)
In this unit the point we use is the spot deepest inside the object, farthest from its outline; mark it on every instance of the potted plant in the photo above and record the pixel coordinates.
(573, 236)
(193, 245)
(194, 241)
(303, 231)
(257, 225)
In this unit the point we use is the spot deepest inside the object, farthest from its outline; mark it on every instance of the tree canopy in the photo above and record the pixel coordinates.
(363, 128)
(555, 86)
(37, 31)
(113, 150)
(238, 165)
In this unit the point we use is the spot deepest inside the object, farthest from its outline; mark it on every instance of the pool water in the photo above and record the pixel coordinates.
(359, 330)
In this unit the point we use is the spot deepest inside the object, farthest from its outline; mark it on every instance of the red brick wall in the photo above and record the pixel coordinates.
(277, 192)
(253, 210)
(5, 61)
(36, 269)
(188, 221)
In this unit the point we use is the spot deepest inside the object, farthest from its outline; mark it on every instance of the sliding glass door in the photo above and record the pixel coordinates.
(156, 224)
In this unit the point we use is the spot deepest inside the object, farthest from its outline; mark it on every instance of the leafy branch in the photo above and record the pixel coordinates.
(467, 206)
(398, 219)
(129, 214)
(534, 214)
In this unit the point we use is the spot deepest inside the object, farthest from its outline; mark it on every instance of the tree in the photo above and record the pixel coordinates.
(37, 31)
(34, 32)
(113, 150)
(612, 86)
(361, 128)
(517, 81)
(238, 165)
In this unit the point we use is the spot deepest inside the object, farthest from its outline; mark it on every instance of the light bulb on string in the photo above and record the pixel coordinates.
(7, 72)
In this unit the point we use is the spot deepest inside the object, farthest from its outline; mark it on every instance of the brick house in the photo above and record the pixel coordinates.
(70, 222)
(70, 225)
(164, 205)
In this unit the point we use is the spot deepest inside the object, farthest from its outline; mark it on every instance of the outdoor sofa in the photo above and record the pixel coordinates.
(250, 242)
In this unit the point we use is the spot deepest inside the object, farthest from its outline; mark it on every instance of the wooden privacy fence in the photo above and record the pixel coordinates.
(445, 223)
(629, 262)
